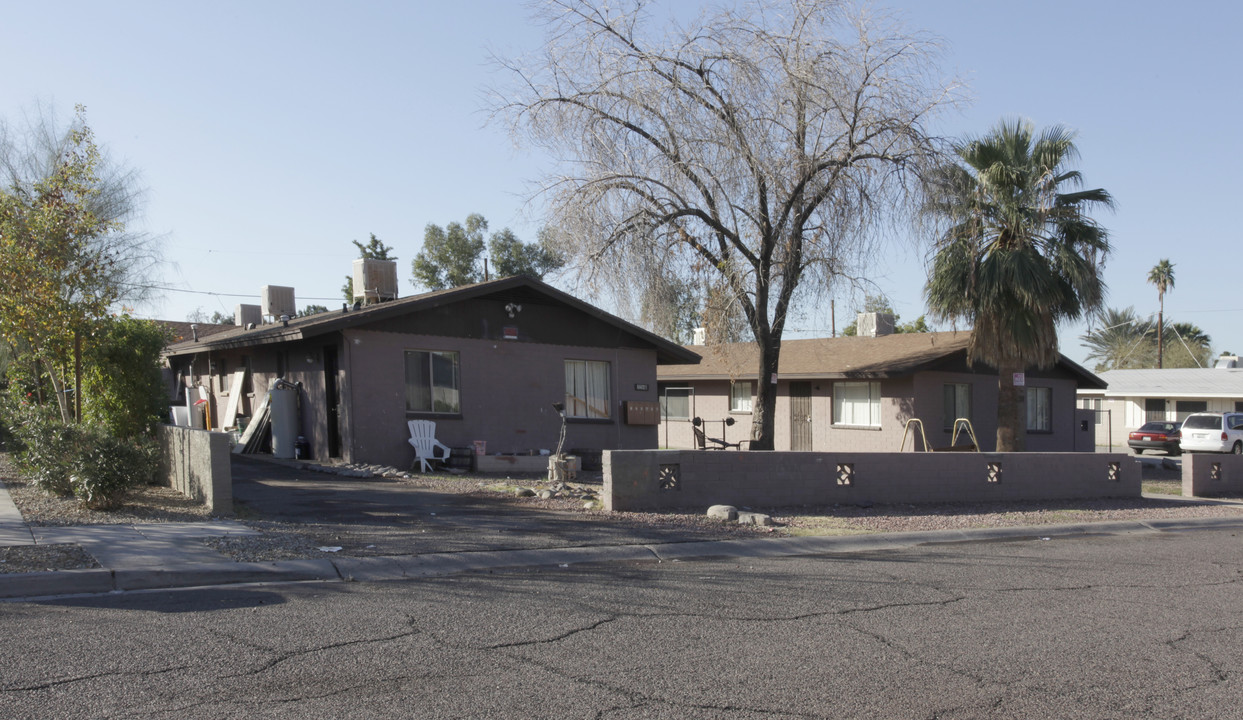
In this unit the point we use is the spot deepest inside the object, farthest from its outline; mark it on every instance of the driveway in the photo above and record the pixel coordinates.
(379, 516)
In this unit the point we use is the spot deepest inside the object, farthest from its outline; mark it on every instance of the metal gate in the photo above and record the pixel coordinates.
(800, 417)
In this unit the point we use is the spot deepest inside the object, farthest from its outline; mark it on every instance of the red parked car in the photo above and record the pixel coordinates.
(1157, 435)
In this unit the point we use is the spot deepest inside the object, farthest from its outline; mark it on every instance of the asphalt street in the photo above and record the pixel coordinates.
(1140, 625)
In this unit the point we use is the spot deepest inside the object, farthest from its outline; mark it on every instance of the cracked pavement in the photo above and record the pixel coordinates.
(1128, 626)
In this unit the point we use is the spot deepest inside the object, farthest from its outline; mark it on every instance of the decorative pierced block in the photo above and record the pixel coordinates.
(845, 474)
(670, 478)
(1214, 471)
(994, 472)
(1115, 472)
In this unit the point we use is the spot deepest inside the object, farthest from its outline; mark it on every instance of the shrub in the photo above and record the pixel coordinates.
(107, 467)
(122, 389)
(47, 450)
(87, 462)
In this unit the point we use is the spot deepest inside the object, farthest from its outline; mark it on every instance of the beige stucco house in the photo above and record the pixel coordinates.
(858, 393)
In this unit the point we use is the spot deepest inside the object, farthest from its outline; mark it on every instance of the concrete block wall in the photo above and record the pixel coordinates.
(1212, 475)
(196, 464)
(668, 479)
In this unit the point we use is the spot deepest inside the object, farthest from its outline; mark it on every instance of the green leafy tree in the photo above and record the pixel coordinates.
(218, 317)
(57, 273)
(1162, 276)
(312, 310)
(451, 255)
(510, 256)
(879, 304)
(123, 391)
(374, 249)
(1019, 253)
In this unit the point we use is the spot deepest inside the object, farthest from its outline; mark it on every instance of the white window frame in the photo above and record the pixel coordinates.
(444, 398)
(588, 389)
(856, 404)
(741, 393)
(1039, 409)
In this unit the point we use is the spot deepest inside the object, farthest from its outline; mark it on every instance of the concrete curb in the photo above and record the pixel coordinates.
(63, 582)
(404, 567)
(228, 573)
(98, 581)
(399, 567)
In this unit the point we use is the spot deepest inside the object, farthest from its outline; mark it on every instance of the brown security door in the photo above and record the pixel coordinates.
(800, 416)
(333, 401)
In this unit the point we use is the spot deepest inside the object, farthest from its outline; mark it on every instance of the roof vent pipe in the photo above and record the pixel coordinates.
(285, 320)
(194, 332)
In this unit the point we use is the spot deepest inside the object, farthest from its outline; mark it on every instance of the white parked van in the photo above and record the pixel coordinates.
(1213, 432)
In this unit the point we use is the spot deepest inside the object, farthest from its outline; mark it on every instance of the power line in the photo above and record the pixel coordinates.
(215, 294)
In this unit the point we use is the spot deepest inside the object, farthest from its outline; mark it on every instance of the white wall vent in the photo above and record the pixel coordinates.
(873, 324)
(244, 315)
(375, 280)
(277, 300)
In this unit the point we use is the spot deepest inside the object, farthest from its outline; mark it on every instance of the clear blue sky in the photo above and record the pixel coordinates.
(270, 134)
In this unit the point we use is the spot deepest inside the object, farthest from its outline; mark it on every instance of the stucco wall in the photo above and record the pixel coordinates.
(1206, 475)
(196, 464)
(507, 392)
(698, 479)
(919, 396)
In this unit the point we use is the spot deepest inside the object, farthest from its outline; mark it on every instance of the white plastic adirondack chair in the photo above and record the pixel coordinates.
(423, 438)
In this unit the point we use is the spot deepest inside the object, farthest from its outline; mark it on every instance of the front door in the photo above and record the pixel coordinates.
(333, 398)
(800, 416)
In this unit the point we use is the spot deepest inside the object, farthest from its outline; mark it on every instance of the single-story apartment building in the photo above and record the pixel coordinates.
(1133, 397)
(486, 362)
(858, 394)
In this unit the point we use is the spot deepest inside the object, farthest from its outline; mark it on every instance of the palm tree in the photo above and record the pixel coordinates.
(1161, 275)
(1123, 340)
(1190, 346)
(1018, 253)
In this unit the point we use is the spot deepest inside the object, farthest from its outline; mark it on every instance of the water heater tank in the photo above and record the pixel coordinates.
(284, 409)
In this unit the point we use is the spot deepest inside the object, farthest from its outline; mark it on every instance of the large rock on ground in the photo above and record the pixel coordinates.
(723, 512)
(754, 518)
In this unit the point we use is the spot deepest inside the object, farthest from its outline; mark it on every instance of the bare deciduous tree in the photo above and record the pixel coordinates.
(759, 142)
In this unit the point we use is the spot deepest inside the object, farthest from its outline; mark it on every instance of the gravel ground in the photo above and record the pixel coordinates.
(284, 540)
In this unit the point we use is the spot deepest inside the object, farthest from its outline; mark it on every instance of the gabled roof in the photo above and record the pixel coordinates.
(335, 320)
(1175, 382)
(886, 356)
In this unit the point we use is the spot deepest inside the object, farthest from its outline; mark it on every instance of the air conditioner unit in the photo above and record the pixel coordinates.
(375, 280)
(277, 300)
(873, 324)
(244, 315)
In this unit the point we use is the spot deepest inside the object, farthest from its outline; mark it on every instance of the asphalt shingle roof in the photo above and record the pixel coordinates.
(842, 357)
(333, 320)
(884, 356)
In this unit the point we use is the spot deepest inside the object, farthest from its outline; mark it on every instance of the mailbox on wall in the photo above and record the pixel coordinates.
(640, 412)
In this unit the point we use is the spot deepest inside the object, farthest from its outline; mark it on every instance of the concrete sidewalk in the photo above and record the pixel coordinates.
(172, 555)
(13, 529)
